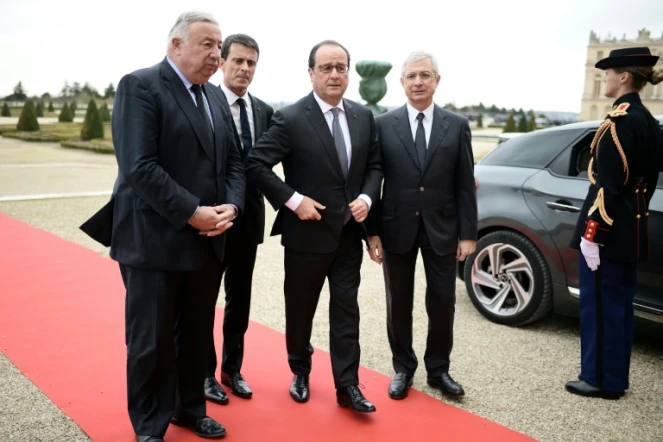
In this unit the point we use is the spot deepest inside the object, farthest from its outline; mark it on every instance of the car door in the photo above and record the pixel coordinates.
(555, 196)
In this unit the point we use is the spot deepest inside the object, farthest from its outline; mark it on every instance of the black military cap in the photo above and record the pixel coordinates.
(620, 58)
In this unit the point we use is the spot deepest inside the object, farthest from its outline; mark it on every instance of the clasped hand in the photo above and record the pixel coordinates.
(213, 221)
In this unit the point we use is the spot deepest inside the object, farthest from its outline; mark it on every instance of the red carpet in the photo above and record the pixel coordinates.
(62, 325)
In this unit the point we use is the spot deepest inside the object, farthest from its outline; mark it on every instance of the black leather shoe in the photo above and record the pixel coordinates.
(352, 397)
(204, 427)
(400, 385)
(238, 385)
(582, 388)
(446, 383)
(214, 392)
(140, 438)
(299, 390)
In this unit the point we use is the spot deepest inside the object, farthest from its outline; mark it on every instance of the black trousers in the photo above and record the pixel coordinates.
(606, 322)
(305, 275)
(167, 318)
(238, 264)
(399, 272)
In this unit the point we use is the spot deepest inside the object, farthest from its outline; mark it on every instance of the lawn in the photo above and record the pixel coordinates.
(51, 132)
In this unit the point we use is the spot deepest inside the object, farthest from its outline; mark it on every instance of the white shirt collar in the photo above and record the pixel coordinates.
(326, 107)
(232, 97)
(412, 112)
(179, 73)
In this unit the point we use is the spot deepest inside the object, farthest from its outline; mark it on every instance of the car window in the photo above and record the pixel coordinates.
(535, 149)
(574, 161)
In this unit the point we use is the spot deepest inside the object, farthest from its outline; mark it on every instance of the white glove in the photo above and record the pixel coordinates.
(590, 251)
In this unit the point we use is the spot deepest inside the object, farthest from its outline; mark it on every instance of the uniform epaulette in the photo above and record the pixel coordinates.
(619, 111)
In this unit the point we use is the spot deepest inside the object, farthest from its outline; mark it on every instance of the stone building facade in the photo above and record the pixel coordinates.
(595, 105)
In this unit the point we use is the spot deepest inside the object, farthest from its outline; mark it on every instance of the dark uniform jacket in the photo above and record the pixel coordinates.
(626, 159)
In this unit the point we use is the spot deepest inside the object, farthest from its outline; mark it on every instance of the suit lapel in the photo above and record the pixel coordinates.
(403, 129)
(257, 117)
(353, 125)
(320, 125)
(438, 132)
(183, 97)
(218, 116)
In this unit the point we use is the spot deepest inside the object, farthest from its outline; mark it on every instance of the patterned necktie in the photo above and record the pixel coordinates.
(339, 141)
(420, 141)
(244, 123)
(200, 103)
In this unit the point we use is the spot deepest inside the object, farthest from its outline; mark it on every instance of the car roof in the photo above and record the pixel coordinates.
(586, 125)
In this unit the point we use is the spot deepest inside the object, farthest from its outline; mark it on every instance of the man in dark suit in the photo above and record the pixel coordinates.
(180, 184)
(330, 158)
(251, 117)
(429, 204)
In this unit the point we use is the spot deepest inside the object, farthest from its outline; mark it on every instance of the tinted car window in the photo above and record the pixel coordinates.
(534, 149)
(574, 161)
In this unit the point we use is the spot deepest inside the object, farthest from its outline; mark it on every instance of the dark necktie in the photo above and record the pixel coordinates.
(420, 141)
(200, 103)
(339, 141)
(244, 122)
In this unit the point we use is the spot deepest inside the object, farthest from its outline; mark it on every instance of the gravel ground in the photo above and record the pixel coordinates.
(512, 376)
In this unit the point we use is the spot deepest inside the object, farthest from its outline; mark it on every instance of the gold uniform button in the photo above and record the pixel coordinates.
(645, 191)
(417, 213)
(421, 189)
(589, 230)
(589, 236)
(637, 216)
(637, 190)
(647, 213)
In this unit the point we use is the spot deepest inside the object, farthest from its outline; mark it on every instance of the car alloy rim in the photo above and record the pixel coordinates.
(502, 279)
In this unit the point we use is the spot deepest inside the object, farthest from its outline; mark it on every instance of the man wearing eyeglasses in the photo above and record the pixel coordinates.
(328, 148)
(429, 204)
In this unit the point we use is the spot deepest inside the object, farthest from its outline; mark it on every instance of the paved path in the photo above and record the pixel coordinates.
(513, 376)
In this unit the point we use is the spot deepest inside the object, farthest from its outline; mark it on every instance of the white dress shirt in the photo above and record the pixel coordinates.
(427, 121)
(234, 110)
(296, 199)
(187, 85)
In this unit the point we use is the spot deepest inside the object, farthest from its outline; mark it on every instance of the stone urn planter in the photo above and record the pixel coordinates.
(373, 86)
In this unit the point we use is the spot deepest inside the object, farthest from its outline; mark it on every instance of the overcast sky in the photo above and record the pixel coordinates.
(512, 53)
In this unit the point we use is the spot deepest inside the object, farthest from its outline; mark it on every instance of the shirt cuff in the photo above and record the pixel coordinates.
(366, 198)
(234, 207)
(194, 214)
(294, 201)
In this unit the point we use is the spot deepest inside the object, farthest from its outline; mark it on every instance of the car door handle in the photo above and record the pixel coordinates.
(564, 206)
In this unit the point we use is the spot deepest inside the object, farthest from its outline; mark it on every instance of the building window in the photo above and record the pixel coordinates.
(593, 112)
(597, 86)
(599, 55)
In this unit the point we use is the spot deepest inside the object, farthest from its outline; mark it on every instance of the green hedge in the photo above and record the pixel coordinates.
(27, 122)
(100, 146)
(92, 126)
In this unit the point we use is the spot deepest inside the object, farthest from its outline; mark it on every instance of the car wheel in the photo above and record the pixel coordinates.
(508, 280)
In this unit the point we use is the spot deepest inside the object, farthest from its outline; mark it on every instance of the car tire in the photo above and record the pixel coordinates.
(519, 291)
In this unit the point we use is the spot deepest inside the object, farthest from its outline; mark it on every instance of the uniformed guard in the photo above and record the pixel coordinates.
(612, 231)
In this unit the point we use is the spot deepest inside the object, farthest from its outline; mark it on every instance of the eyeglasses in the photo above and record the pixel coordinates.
(425, 75)
(327, 68)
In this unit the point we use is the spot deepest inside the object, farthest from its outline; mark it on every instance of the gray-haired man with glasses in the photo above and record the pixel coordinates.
(328, 148)
(428, 204)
